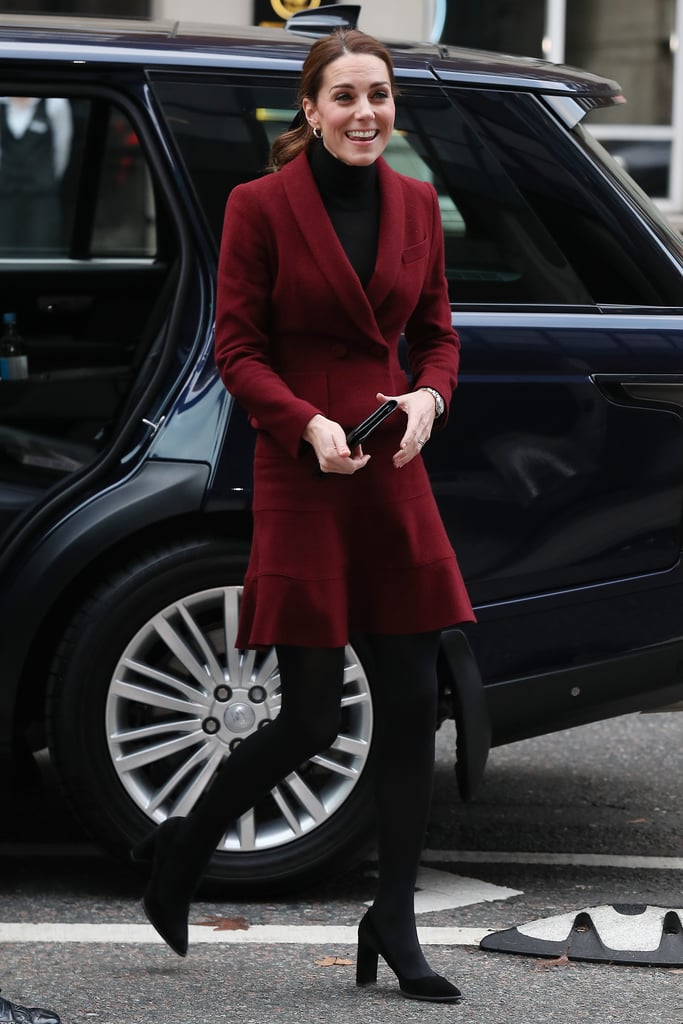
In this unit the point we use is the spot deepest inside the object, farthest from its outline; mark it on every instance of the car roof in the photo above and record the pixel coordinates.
(180, 44)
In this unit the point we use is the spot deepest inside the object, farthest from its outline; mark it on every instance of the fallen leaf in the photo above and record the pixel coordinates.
(560, 961)
(333, 961)
(225, 924)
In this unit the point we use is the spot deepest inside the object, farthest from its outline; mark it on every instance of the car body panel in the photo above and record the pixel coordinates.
(178, 44)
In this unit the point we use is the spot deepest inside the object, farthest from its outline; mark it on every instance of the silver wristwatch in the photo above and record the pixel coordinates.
(438, 400)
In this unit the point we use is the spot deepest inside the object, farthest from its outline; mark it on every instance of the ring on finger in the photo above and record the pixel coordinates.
(421, 443)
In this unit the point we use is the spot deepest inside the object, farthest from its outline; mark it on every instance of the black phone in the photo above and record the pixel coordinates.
(363, 430)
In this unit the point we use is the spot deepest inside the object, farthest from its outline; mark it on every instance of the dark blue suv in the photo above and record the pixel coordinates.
(125, 478)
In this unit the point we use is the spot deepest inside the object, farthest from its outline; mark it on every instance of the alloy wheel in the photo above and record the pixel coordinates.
(182, 698)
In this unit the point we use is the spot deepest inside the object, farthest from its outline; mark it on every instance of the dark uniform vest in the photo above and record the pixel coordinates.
(30, 202)
(27, 164)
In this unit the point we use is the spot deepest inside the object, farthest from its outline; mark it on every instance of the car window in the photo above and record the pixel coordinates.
(125, 221)
(571, 198)
(497, 250)
(610, 161)
(523, 226)
(86, 279)
(223, 132)
(62, 160)
(36, 142)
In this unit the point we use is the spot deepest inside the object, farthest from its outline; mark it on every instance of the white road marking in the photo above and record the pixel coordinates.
(142, 934)
(440, 890)
(437, 890)
(585, 860)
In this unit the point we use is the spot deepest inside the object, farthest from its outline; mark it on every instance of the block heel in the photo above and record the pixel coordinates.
(431, 988)
(366, 962)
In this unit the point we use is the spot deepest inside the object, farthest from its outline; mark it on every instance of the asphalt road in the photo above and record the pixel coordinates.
(588, 818)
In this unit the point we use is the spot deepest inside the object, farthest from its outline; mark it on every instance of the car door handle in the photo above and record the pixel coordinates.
(642, 389)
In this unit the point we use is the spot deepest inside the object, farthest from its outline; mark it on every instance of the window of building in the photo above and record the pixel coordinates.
(631, 42)
(635, 43)
(496, 25)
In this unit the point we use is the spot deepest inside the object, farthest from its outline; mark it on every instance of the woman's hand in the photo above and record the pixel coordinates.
(420, 408)
(329, 443)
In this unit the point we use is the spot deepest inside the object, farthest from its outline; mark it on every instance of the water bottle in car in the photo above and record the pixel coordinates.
(13, 358)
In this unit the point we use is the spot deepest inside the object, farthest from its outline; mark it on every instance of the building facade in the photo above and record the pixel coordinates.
(636, 43)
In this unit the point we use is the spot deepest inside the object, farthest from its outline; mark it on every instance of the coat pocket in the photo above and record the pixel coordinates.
(415, 252)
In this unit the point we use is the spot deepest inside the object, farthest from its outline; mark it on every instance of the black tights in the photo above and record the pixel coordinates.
(311, 682)
(404, 692)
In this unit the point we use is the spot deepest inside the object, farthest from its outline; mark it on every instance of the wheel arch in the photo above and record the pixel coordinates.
(59, 572)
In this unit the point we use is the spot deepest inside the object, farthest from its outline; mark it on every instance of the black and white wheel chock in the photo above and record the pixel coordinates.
(619, 933)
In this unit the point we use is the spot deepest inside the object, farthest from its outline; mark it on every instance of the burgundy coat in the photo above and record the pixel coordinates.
(296, 335)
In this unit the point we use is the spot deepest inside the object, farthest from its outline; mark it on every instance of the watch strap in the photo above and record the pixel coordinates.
(438, 400)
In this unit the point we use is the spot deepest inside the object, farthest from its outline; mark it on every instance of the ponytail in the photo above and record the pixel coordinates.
(295, 140)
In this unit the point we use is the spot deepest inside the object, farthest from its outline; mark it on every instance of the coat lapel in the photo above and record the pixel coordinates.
(391, 224)
(327, 252)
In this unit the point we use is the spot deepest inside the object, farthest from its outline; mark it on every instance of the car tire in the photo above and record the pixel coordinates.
(135, 733)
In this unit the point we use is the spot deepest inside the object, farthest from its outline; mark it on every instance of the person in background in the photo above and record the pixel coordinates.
(323, 266)
(35, 143)
(15, 1013)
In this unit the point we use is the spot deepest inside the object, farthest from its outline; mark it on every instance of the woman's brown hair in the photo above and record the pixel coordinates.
(324, 52)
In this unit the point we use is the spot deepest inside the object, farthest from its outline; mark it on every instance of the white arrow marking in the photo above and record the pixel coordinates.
(440, 890)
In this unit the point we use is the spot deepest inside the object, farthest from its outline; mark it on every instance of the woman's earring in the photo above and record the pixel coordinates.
(317, 134)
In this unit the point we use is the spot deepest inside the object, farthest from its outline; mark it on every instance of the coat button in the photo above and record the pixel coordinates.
(340, 351)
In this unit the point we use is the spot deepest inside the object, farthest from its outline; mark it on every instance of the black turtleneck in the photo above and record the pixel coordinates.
(351, 197)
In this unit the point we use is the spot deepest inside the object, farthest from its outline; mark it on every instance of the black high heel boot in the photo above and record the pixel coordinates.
(166, 902)
(431, 988)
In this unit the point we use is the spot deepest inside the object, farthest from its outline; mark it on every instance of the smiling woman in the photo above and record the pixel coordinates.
(323, 266)
(354, 110)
